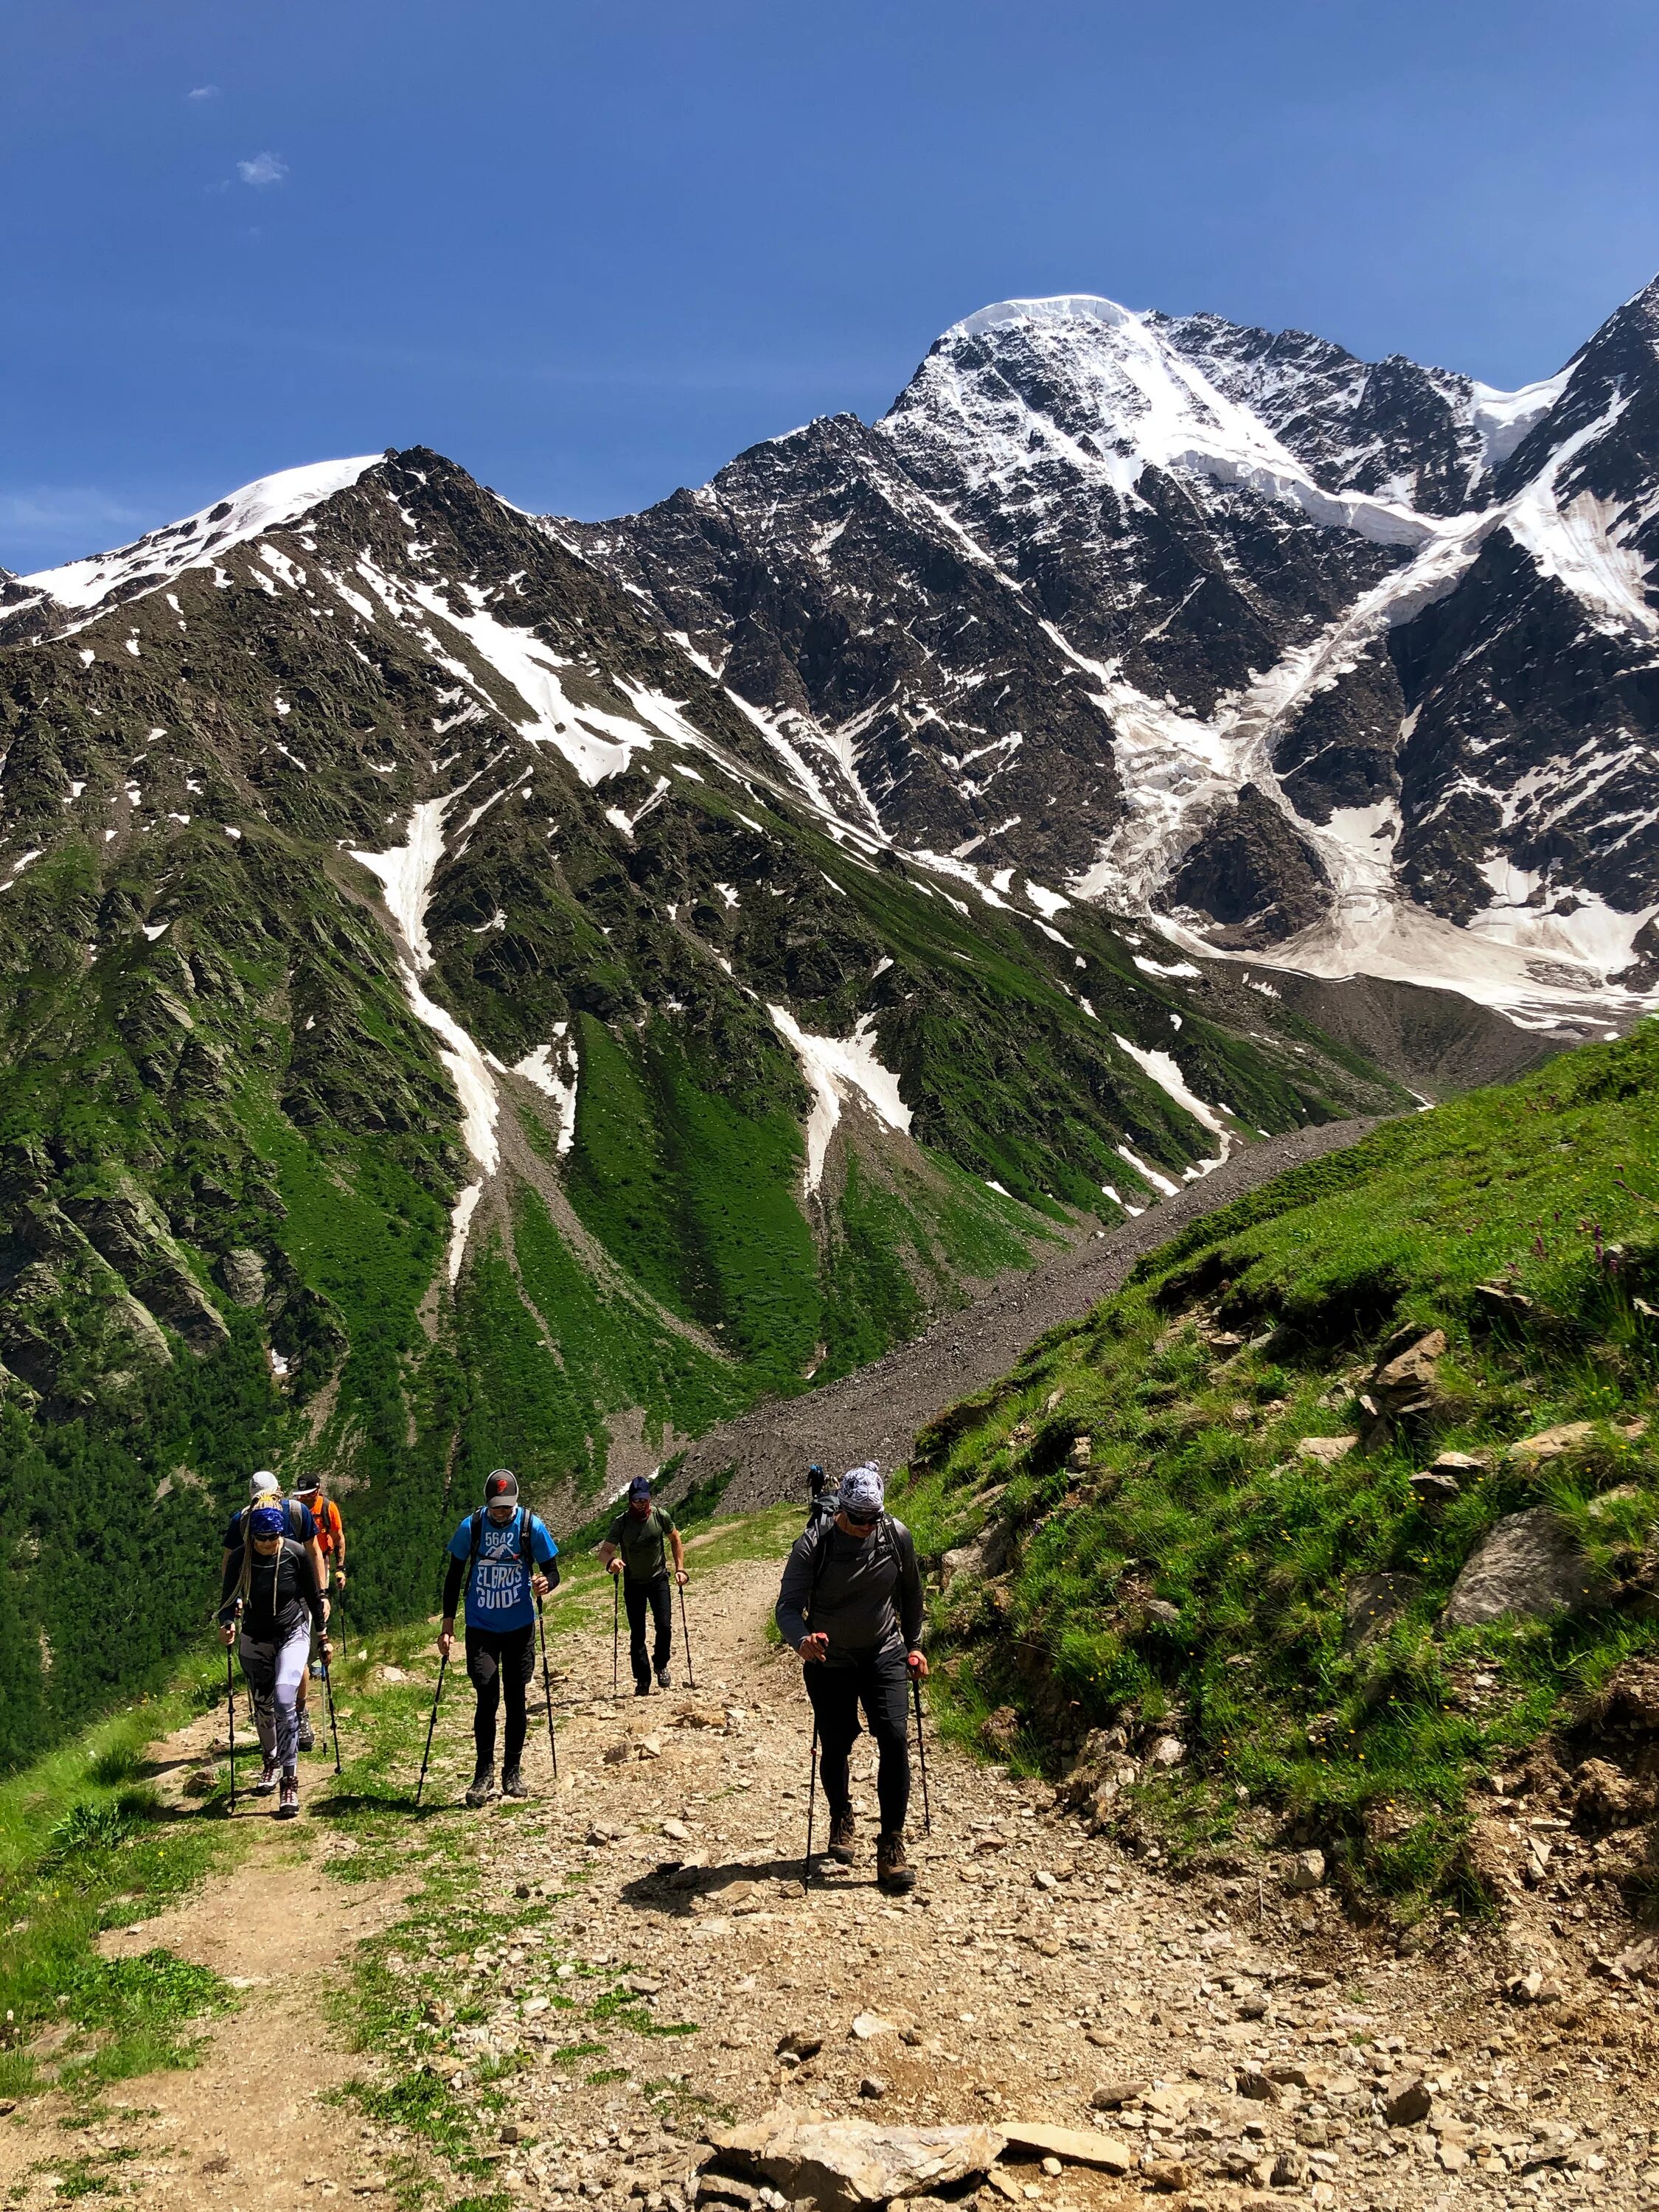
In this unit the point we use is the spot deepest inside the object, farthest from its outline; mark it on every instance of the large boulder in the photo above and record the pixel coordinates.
(844, 2165)
(1529, 1566)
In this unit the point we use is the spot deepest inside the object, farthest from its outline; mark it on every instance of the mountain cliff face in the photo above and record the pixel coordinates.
(1350, 665)
(447, 1025)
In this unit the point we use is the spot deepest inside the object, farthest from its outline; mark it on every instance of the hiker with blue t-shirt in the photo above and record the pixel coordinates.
(498, 1552)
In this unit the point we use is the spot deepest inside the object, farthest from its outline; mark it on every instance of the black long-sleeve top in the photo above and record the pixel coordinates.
(280, 1592)
(863, 1592)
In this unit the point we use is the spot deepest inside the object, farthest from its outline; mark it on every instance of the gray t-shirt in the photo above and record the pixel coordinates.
(863, 1592)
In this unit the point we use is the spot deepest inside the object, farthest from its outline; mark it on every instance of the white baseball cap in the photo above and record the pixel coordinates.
(264, 1484)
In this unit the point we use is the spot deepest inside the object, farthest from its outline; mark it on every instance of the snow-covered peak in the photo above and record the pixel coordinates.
(154, 560)
(1063, 307)
(1101, 393)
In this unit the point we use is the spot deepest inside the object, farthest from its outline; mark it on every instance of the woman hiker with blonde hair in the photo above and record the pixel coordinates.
(270, 1602)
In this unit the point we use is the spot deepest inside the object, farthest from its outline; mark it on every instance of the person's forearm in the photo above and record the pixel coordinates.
(312, 1595)
(451, 1588)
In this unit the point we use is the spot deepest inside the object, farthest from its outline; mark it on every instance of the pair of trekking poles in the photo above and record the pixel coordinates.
(547, 1693)
(230, 1707)
(616, 1636)
(812, 1777)
(547, 1686)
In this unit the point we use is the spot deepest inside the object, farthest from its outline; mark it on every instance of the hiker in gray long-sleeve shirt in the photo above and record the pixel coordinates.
(850, 1604)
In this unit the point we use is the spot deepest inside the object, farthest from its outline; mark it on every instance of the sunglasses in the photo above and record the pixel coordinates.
(862, 1520)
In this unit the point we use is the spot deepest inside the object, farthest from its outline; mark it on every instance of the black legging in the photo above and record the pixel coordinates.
(636, 1596)
(882, 1686)
(495, 1656)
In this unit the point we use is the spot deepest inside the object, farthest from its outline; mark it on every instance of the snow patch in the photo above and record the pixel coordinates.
(1165, 1071)
(559, 1084)
(406, 872)
(1158, 1181)
(836, 1068)
(152, 561)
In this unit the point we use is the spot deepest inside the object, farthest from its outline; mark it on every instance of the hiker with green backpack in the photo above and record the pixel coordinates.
(635, 1549)
(499, 1553)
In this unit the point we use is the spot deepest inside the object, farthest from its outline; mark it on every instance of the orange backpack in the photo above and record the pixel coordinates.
(326, 1513)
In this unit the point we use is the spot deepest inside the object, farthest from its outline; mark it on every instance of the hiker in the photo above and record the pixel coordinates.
(330, 1532)
(823, 1503)
(263, 1489)
(270, 1602)
(330, 1550)
(850, 1604)
(499, 1551)
(635, 1549)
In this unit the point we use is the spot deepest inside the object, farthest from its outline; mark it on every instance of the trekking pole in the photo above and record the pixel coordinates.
(921, 1753)
(230, 1714)
(811, 1786)
(442, 1663)
(547, 1690)
(616, 1627)
(685, 1638)
(334, 1726)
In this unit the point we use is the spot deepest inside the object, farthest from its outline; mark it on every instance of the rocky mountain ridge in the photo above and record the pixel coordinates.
(447, 1026)
(1346, 665)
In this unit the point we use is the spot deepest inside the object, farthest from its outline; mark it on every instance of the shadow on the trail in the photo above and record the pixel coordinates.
(673, 1886)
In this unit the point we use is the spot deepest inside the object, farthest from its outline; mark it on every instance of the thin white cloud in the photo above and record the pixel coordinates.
(66, 506)
(263, 169)
(203, 92)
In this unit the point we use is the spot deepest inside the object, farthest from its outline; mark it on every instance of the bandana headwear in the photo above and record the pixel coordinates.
(502, 1488)
(861, 1490)
(263, 1484)
(267, 1521)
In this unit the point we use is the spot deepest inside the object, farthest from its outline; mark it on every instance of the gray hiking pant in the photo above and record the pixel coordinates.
(274, 1672)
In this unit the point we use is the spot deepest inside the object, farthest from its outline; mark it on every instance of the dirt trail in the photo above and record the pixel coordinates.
(874, 1413)
(1034, 1964)
(281, 1935)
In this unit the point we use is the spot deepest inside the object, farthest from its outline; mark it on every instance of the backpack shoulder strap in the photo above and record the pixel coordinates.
(818, 1537)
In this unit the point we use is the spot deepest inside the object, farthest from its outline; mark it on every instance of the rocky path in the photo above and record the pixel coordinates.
(627, 1963)
(875, 1412)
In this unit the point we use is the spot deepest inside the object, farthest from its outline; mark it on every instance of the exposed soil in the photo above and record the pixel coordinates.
(873, 1414)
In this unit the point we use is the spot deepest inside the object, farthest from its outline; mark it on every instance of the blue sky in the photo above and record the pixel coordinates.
(592, 251)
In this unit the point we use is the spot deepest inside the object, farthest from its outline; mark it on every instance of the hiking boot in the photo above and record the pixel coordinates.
(894, 1872)
(642, 1689)
(513, 1783)
(267, 1781)
(288, 1803)
(843, 1831)
(482, 1787)
(665, 1679)
(307, 1740)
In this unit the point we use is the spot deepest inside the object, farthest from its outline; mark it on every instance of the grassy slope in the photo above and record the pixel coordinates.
(1195, 1500)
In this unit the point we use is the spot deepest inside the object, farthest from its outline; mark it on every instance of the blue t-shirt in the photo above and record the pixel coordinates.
(498, 1595)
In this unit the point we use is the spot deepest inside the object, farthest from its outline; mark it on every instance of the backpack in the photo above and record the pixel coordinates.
(291, 1507)
(817, 1532)
(327, 1518)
